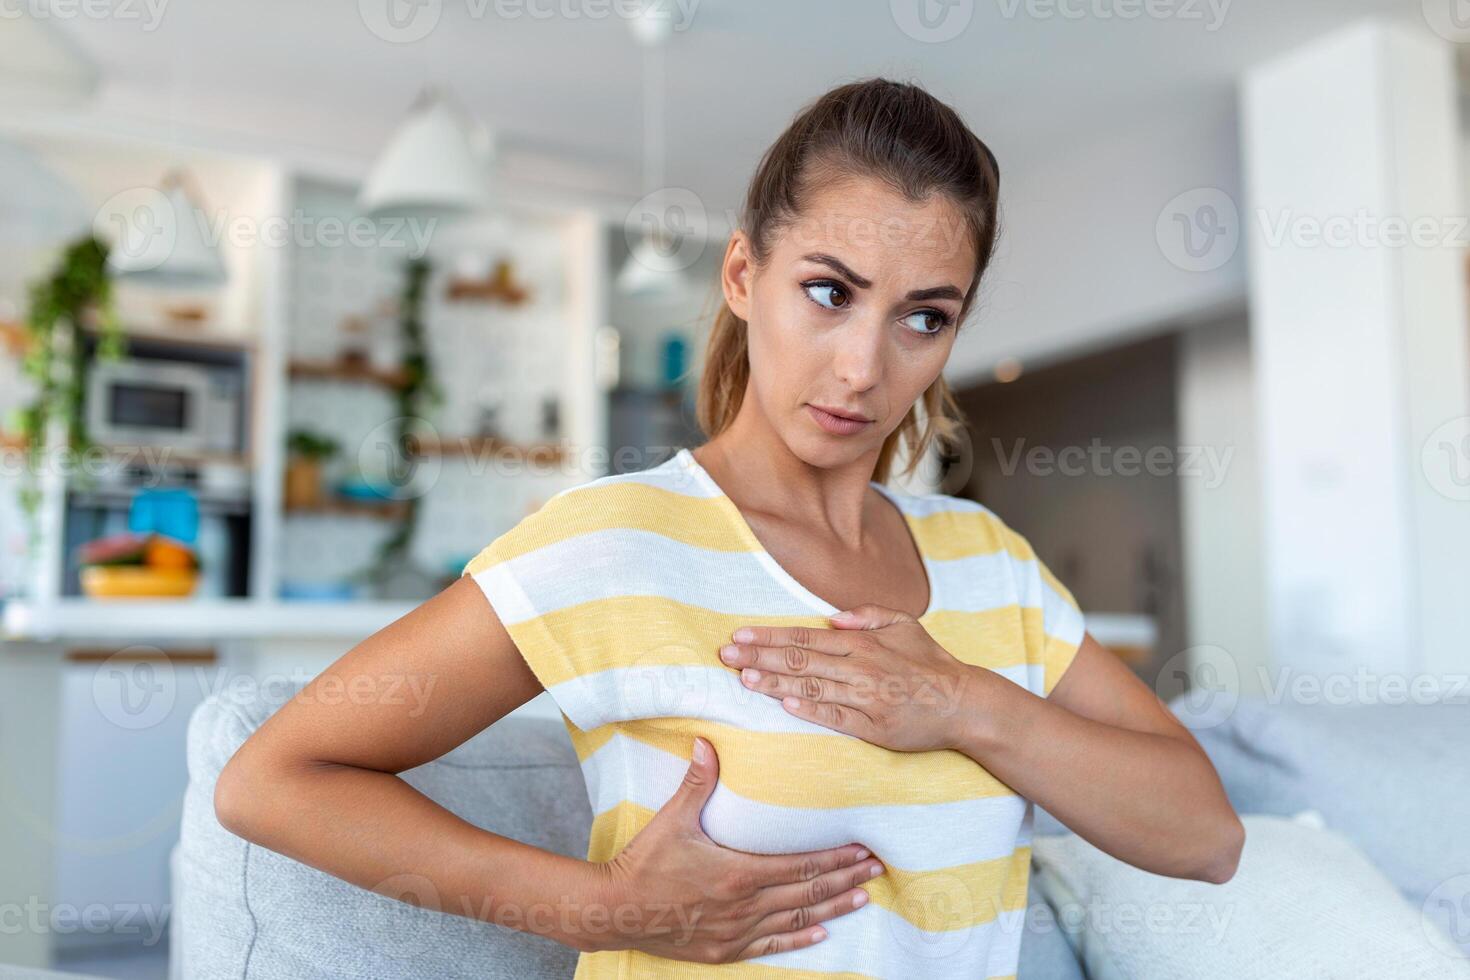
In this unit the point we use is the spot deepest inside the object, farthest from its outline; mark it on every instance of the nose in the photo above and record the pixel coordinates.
(858, 359)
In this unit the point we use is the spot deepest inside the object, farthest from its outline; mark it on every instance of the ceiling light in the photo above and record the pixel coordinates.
(435, 165)
(158, 239)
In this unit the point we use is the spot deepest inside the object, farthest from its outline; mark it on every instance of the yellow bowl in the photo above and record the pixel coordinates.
(137, 581)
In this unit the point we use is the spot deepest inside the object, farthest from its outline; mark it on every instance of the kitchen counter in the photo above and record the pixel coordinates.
(177, 619)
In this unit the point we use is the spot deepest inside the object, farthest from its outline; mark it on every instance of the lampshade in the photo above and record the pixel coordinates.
(159, 240)
(435, 165)
(650, 272)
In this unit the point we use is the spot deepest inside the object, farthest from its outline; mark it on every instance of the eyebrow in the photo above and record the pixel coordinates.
(933, 292)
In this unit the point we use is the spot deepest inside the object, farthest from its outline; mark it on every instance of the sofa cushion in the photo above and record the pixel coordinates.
(1304, 902)
(1387, 776)
(251, 912)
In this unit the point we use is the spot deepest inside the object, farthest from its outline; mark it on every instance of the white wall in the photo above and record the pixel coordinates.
(1080, 264)
(1221, 520)
(1360, 350)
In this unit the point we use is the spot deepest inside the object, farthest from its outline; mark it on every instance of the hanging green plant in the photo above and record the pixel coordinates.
(414, 398)
(57, 360)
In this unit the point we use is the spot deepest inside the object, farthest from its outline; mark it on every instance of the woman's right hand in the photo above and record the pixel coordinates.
(684, 897)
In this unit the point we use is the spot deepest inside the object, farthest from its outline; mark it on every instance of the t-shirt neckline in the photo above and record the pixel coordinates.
(774, 568)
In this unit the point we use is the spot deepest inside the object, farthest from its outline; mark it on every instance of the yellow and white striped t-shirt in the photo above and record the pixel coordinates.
(619, 594)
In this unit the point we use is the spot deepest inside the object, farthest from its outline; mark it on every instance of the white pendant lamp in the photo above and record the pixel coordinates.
(435, 165)
(159, 238)
(655, 265)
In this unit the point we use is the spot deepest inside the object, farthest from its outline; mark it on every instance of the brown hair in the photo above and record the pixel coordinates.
(898, 133)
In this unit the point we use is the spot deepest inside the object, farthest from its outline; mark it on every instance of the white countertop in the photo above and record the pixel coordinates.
(164, 619)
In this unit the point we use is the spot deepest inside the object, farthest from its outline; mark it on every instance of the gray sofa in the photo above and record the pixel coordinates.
(241, 911)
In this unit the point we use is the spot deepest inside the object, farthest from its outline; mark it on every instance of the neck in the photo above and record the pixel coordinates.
(760, 474)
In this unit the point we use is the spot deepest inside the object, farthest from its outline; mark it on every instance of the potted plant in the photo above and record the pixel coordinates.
(308, 450)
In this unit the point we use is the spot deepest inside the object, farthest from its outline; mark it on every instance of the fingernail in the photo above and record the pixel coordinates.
(701, 754)
(818, 935)
(862, 853)
(727, 654)
(877, 870)
(846, 616)
(860, 899)
(751, 675)
(743, 635)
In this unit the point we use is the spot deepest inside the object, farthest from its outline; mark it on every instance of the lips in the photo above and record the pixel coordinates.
(843, 414)
(835, 424)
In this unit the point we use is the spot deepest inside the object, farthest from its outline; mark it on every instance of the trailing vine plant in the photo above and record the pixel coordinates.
(414, 396)
(56, 358)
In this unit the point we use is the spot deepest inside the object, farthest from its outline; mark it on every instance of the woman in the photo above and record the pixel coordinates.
(814, 713)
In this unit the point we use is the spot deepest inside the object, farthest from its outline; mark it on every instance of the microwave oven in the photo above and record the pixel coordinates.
(176, 404)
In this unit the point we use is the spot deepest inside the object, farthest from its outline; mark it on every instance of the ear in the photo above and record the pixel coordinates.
(735, 274)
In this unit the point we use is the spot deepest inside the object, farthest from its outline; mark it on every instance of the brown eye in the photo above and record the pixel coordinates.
(827, 294)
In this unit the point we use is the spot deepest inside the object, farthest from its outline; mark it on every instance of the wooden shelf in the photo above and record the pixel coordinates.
(347, 371)
(353, 507)
(546, 452)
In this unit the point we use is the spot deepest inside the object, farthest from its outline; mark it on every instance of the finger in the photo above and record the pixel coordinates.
(783, 869)
(820, 639)
(769, 932)
(809, 688)
(834, 886)
(781, 942)
(699, 782)
(786, 660)
(838, 717)
(869, 616)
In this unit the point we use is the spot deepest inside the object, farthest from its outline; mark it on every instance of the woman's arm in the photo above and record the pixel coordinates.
(318, 782)
(1107, 758)
(1102, 753)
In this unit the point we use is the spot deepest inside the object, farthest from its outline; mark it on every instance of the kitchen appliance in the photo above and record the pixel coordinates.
(193, 404)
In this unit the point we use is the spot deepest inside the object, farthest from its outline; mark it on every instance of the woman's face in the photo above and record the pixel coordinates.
(854, 311)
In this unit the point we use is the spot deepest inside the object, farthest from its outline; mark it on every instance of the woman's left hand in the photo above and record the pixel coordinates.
(878, 676)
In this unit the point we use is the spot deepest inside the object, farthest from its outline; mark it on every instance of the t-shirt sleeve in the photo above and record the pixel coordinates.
(1062, 626)
(1054, 625)
(527, 575)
